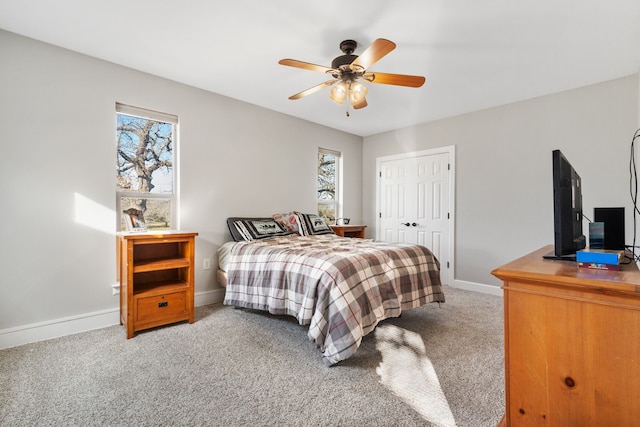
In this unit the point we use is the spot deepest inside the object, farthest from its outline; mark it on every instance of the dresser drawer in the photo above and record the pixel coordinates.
(170, 305)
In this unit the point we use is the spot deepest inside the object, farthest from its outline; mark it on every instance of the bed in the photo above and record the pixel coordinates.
(340, 287)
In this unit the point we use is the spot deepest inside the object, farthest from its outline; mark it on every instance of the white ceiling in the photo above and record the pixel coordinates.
(475, 54)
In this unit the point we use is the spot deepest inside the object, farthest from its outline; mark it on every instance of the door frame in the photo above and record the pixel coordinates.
(449, 270)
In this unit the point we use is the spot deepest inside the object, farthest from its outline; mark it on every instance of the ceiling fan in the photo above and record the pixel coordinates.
(347, 69)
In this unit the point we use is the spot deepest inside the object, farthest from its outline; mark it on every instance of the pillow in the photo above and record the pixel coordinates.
(288, 220)
(312, 225)
(259, 228)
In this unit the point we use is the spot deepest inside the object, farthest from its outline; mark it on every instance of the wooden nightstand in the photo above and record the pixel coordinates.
(156, 278)
(349, 230)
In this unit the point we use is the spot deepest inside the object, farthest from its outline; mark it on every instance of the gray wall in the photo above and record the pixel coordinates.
(504, 204)
(57, 174)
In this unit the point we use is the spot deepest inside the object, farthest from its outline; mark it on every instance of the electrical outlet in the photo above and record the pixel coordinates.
(115, 289)
(206, 264)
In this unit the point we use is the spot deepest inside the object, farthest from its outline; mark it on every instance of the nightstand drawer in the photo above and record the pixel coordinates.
(164, 306)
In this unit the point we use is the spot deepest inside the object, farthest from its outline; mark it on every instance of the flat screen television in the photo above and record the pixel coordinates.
(567, 210)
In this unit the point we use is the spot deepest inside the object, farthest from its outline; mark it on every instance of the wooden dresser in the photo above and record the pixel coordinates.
(156, 273)
(572, 343)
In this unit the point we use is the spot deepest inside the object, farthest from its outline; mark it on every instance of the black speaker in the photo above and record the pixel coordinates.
(613, 219)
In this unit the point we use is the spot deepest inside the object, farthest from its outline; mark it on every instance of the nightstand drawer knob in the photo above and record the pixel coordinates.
(163, 304)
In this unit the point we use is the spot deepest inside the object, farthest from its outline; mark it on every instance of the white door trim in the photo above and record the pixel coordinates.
(451, 150)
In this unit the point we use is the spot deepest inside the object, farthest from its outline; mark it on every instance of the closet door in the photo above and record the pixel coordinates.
(414, 201)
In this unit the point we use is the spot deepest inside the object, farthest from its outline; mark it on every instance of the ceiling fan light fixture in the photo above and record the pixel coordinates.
(357, 92)
(339, 93)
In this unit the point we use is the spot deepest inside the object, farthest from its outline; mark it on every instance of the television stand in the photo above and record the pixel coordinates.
(571, 343)
(552, 255)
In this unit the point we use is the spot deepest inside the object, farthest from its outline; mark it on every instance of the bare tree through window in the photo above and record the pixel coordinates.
(145, 168)
(328, 185)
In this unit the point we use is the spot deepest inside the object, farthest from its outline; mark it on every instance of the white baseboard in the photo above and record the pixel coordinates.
(55, 328)
(19, 335)
(208, 297)
(477, 287)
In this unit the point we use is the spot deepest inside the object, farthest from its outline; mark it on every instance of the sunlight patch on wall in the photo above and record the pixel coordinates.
(94, 215)
(407, 371)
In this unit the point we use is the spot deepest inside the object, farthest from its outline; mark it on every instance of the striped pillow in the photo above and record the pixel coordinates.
(255, 229)
(312, 225)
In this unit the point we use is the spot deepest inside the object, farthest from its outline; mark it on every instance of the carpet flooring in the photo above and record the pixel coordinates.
(437, 365)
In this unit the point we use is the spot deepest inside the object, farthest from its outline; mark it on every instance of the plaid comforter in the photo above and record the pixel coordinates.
(340, 287)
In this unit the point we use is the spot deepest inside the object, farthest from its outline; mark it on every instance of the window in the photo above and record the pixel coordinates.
(146, 167)
(329, 198)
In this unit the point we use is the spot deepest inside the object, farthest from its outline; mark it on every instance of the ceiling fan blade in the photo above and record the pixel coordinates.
(312, 89)
(378, 49)
(304, 65)
(360, 104)
(394, 79)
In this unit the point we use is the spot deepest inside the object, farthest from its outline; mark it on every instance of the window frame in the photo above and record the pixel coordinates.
(173, 197)
(338, 183)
